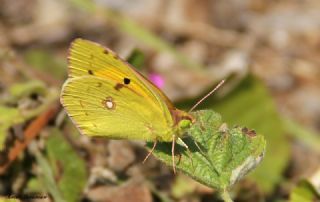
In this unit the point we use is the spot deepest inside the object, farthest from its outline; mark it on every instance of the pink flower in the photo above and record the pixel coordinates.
(156, 80)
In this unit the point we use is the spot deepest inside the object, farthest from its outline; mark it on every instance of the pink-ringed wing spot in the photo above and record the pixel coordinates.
(109, 103)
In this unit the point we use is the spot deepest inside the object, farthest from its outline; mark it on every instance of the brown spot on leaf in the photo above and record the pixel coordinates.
(245, 130)
(249, 132)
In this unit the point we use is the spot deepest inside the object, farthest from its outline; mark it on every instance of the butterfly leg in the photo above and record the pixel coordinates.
(154, 146)
(200, 150)
(188, 150)
(172, 152)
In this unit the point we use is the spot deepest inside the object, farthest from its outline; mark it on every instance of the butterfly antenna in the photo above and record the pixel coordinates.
(205, 97)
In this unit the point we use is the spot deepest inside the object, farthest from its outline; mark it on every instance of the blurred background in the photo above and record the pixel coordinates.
(267, 50)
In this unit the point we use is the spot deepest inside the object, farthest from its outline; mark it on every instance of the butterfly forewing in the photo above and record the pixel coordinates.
(89, 58)
(104, 96)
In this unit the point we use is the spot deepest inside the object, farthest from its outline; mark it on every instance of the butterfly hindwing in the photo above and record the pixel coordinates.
(98, 109)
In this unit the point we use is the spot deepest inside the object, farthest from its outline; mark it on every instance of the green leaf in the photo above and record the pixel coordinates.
(46, 176)
(304, 192)
(44, 61)
(183, 186)
(34, 186)
(20, 90)
(12, 116)
(217, 157)
(251, 105)
(69, 168)
(304, 135)
(6, 199)
(136, 58)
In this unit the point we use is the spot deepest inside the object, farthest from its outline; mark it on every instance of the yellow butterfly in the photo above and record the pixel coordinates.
(106, 96)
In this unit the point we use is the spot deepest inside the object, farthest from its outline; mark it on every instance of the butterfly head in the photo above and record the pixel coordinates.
(184, 124)
(182, 119)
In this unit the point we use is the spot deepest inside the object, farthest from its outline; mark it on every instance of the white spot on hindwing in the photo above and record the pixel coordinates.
(109, 103)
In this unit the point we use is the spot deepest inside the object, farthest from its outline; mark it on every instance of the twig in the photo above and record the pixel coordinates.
(29, 134)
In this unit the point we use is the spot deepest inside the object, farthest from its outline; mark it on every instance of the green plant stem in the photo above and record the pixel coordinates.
(304, 135)
(226, 196)
(46, 176)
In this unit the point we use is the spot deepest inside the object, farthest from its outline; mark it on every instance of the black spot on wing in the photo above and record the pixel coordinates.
(118, 86)
(126, 81)
(90, 72)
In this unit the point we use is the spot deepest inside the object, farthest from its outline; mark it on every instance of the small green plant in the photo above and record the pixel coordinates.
(218, 156)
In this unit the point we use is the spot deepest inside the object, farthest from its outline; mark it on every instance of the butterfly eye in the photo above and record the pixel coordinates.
(184, 124)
